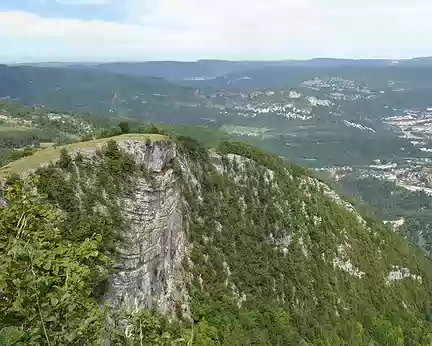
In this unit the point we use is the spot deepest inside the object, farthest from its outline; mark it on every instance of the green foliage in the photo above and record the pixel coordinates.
(109, 132)
(263, 238)
(9, 155)
(23, 127)
(13, 155)
(265, 268)
(44, 281)
(12, 179)
(192, 148)
(65, 161)
(253, 153)
(259, 156)
(151, 128)
(65, 257)
(124, 127)
(111, 95)
(10, 336)
(146, 327)
(207, 136)
(390, 202)
(97, 209)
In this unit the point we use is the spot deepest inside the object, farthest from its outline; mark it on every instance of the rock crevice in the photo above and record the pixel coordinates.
(148, 271)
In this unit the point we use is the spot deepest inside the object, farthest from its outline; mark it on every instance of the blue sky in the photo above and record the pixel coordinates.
(86, 10)
(108, 30)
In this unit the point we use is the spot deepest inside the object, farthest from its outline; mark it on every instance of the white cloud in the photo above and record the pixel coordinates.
(84, 2)
(237, 29)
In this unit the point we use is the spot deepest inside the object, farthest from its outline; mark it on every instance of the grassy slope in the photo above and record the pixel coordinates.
(15, 128)
(47, 155)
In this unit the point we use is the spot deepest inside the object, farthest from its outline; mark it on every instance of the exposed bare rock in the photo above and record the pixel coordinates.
(148, 272)
(154, 155)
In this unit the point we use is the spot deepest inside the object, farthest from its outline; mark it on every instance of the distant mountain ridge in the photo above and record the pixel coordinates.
(212, 68)
(92, 90)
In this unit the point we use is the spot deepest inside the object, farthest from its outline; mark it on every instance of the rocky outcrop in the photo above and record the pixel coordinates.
(148, 272)
(3, 202)
(155, 156)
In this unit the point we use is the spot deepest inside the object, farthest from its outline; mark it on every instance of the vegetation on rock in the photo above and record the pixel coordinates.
(274, 257)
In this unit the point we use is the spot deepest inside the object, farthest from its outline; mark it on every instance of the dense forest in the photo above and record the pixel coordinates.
(390, 202)
(109, 95)
(274, 256)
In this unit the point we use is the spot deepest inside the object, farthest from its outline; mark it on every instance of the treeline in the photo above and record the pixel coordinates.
(261, 261)
(23, 129)
(207, 136)
(262, 270)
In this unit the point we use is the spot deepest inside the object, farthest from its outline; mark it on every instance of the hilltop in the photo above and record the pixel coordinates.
(185, 246)
(48, 155)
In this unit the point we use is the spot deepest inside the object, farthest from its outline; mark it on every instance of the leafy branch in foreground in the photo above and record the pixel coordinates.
(45, 289)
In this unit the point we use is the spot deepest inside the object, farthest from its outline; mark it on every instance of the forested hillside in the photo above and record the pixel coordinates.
(24, 129)
(153, 240)
(110, 95)
(410, 212)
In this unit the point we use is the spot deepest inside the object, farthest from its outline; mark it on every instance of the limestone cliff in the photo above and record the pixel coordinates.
(240, 245)
(148, 272)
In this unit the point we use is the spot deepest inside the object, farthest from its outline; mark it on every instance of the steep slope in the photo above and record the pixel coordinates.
(244, 247)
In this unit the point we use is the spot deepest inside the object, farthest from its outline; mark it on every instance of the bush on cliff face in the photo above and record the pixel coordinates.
(53, 264)
(261, 264)
(87, 191)
(267, 253)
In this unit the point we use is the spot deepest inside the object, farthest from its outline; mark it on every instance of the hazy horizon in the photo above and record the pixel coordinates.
(78, 61)
(185, 30)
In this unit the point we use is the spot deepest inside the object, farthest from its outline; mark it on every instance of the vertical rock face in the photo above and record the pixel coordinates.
(3, 202)
(154, 155)
(148, 272)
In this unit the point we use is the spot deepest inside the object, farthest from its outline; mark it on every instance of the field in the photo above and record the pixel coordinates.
(14, 128)
(51, 154)
(47, 144)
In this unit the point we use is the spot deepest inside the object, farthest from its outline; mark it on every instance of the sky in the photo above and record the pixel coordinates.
(141, 30)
